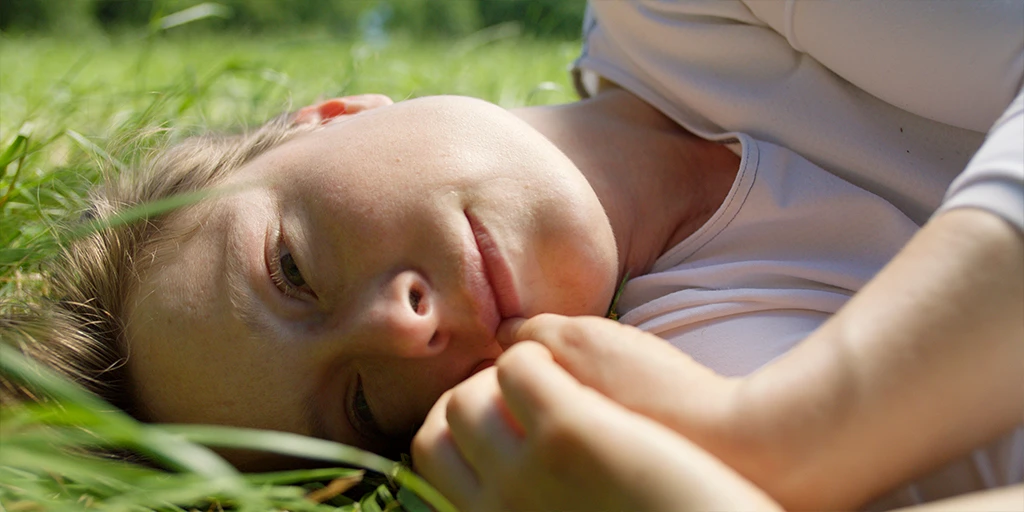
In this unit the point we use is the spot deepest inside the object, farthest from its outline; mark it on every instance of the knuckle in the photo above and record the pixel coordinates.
(587, 337)
(422, 449)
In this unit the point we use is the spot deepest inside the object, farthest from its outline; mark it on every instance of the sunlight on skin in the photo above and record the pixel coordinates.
(387, 301)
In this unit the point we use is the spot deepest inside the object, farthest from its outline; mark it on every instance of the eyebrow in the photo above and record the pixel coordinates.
(244, 300)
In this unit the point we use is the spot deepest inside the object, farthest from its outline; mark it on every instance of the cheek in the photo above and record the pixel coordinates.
(579, 263)
(192, 362)
(583, 287)
(229, 385)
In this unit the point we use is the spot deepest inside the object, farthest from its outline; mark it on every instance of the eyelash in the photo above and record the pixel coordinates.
(277, 275)
(361, 415)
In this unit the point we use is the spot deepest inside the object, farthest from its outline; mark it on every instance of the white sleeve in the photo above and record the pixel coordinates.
(959, 63)
(994, 178)
(956, 62)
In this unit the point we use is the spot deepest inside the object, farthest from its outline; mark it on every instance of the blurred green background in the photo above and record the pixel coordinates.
(343, 18)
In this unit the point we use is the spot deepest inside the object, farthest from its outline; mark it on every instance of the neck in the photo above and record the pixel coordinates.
(657, 182)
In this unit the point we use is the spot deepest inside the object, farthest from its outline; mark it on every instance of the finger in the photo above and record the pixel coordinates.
(583, 346)
(588, 339)
(485, 433)
(436, 457)
(544, 325)
(635, 369)
(617, 360)
(534, 387)
(506, 331)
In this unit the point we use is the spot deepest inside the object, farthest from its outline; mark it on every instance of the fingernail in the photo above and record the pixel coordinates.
(507, 330)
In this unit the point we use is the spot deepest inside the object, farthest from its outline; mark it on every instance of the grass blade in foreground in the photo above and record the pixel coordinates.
(155, 443)
(204, 473)
(311, 448)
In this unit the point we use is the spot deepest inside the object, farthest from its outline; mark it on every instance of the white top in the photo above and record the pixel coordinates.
(892, 96)
(882, 105)
(994, 178)
(789, 245)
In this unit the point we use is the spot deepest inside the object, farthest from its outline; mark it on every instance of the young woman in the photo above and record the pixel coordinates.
(362, 256)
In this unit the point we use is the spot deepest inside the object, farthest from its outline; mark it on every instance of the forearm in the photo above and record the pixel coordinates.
(925, 363)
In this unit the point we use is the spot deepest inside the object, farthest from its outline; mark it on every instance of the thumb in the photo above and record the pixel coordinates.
(507, 331)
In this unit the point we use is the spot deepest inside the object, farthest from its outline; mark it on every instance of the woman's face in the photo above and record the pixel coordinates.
(362, 269)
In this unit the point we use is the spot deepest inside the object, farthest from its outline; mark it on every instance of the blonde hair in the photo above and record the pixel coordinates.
(78, 329)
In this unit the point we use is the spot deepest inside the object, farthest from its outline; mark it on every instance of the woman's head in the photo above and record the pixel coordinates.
(80, 333)
(355, 272)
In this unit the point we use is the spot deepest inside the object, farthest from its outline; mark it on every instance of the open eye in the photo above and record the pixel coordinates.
(285, 273)
(290, 271)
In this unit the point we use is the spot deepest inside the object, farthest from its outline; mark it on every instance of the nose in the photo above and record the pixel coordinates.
(404, 318)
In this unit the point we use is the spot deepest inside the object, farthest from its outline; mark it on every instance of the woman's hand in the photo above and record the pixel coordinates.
(643, 373)
(806, 428)
(526, 435)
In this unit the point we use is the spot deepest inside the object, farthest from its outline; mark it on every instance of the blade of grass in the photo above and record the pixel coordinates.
(104, 477)
(195, 13)
(145, 211)
(16, 365)
(409, 480)
(15, 151)
(91, 147)
(162, 446)
(410, 501)
(335, 488)
(284, 443)
(300, 475)
(311, 448)
(11, 153)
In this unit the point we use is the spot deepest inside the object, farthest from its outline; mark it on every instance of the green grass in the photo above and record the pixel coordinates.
(66, 106)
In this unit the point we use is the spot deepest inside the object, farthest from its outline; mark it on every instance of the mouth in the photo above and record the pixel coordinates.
(496, 271)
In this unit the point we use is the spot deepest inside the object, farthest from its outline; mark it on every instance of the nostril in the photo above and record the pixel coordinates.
(414, 300)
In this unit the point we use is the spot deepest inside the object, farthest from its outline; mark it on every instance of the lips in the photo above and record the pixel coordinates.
(497, 272)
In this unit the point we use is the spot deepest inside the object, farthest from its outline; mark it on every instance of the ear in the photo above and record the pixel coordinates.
(320, 113)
